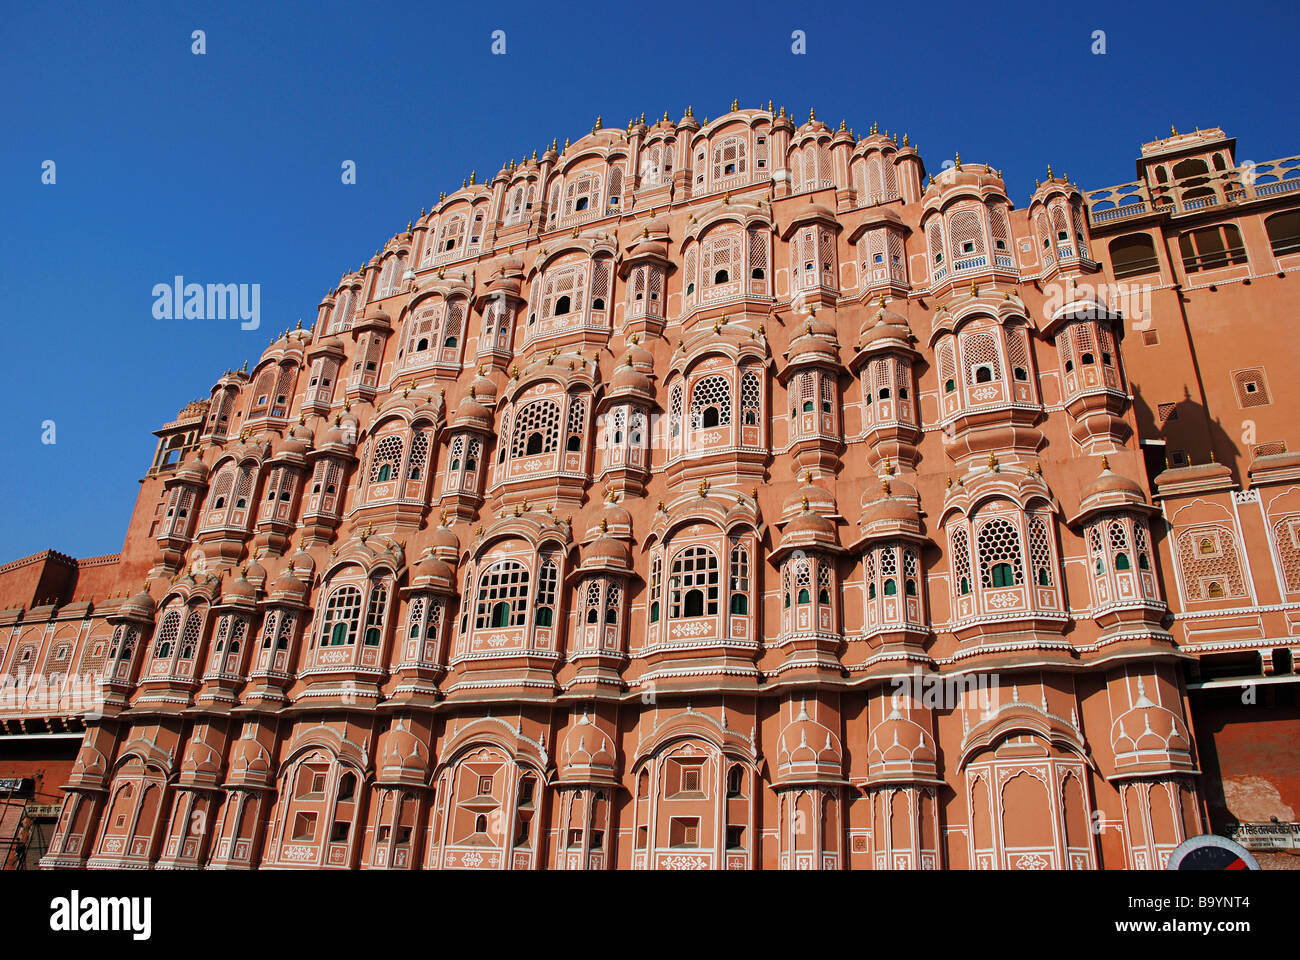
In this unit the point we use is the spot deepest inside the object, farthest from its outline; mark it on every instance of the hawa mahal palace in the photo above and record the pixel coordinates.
(728, 494)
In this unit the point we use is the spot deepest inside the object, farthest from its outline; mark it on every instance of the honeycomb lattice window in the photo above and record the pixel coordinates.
(1040, 551)
(750, 397)
(419, 455)
(711, 394)
(171, 626)
(388, 454)
(1252, 388)
(190, 635)
(537, 429)
(999, 543)
(502, 595)
(577, 416)
(960, 560)
(415, 618)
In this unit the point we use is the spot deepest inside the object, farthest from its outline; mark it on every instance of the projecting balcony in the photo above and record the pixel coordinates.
(1193, 194)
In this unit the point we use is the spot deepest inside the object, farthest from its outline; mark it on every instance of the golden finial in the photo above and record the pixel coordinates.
(690, 111)
(993, 460)
(905, 141)
(1173, 131)
(958, 161)
(1105, 463)
(974, 289)
(753, 493)
(514, 371)
(804, 501)
(1049, 171)
(812, 115)
(660, 507)
(807, 476)
(889, 467)
(1038, 467)
(604, 525)
(950, 483)
(884, 486)
(598, 124)
(735, 105)
(704, 487)
(843, 125)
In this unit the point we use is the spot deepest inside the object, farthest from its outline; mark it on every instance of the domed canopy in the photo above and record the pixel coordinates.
(587, 754)
(1148, 733)
(808, 751)
(900, 749)
(432, 573)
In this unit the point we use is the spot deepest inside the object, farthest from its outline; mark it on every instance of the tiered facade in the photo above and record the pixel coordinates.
(721, 495)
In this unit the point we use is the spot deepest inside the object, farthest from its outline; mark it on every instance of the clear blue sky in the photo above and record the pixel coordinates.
(226, 167)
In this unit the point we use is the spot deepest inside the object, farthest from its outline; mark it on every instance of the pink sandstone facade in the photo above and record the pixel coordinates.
(713, 495)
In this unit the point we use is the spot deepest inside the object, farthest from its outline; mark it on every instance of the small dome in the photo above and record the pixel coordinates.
(472, 413)
(484, 388)
(445, 542)
(192, 471)
(640, 357)
(1110, 482)
(628, 379)
(287, 586)
(239, 589)
(430, 571)
(606, 552)
(811, 523)
(818, 499)
(140, 605)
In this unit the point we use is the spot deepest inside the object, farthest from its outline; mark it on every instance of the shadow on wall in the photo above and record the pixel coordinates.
(1182, 426)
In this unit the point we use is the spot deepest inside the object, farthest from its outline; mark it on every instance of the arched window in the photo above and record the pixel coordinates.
(1284, 232)
(387, 458)
(999, 554)
(547, 578)
(502, 595)
(1133, 255)
(342, 612)
(375, 613)
(739, 579)
(711, 403)
(693, 583)
(537, 429)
